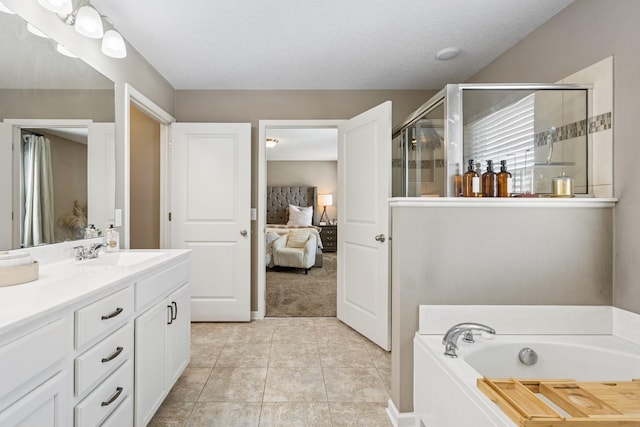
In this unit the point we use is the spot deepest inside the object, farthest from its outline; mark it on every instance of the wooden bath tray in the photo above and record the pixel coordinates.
(589, 404)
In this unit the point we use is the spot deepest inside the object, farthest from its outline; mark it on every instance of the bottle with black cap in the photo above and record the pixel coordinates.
(489, 181)
(505, 181)
(470, 182)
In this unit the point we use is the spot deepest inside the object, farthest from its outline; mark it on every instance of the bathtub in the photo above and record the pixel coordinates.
(445, 391)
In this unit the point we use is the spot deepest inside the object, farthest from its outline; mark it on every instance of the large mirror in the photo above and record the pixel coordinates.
(57, 141)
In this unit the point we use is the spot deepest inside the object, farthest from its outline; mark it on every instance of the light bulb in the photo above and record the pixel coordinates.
(89, 23)
(113, 45)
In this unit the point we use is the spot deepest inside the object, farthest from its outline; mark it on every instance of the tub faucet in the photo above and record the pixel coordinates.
(451, 337)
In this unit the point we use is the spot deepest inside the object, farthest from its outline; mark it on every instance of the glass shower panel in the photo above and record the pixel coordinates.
(424, 159)
(540, 133)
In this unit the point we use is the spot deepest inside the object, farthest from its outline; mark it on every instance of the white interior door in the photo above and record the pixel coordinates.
(101, 171)
(210, 209)
(364, 177)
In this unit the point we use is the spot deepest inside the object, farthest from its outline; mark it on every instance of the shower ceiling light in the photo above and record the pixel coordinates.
(113, 44)
(61, 7)
(447, 53)
(89, 23)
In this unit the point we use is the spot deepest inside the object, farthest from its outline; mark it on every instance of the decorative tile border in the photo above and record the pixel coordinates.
(598, 123)
(413, 164)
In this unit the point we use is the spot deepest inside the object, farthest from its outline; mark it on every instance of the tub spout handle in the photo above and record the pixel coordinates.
(450, 339)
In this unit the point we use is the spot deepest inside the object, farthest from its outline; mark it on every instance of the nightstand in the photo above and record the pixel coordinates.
(329, 237)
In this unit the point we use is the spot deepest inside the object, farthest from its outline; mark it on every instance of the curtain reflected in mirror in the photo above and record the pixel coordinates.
(37, 192)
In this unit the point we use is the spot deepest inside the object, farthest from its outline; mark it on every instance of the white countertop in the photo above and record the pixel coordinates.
(65, 282)
(503, 202)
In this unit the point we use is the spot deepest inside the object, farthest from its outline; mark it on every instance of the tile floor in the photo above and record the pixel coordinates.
(280, 372)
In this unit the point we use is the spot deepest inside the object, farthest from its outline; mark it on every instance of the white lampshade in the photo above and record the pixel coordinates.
(113, 44)
(325, 199)
(61, 7)
(89, 23)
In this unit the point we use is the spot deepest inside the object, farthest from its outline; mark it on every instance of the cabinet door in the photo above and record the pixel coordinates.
(178, 334)
(42, 407)
(150, 362)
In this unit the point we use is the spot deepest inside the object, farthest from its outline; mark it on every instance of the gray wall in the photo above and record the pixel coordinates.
(582, 34)
(491, 256)
(252, 106)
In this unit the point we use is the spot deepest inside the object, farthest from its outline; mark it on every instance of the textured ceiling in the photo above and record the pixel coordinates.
(322, 44)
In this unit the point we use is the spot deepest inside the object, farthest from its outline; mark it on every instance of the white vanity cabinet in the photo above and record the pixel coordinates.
(94, 344)
(33, 378)
(162, 337)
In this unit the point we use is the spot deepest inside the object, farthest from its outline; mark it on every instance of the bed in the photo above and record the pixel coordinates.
(278, 201)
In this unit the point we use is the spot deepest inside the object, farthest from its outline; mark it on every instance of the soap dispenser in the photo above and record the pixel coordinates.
(112, 239)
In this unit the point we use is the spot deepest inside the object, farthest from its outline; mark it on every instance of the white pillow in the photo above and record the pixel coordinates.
(299, 215)
(298, 238)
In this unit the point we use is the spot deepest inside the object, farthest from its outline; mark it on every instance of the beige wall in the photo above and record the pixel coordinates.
(323, 175)
(252, 106)
(582, 34)
(145, 181)
(97, 105)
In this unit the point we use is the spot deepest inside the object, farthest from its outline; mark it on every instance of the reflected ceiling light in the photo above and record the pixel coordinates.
(5, 9)
(271, 142)
(447, 53)
(63, 50)
(36, 32)
(89, 23)
(113, 44)
(61, 7)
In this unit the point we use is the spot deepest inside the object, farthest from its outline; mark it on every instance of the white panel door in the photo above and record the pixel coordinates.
(364, 175)
(210, 205)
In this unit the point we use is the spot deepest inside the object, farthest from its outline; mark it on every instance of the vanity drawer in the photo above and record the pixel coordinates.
(102, 401)
(159, 285)
(103, 315)
(122, 416)
(30, 355)
(103, 358)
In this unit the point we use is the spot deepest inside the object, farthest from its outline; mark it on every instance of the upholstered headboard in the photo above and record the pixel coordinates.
(279, 199)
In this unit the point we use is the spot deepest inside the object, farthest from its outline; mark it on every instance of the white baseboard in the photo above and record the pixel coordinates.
(405, 419)
(255, 315)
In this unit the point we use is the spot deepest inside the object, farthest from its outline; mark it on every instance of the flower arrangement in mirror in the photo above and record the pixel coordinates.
(74, 223)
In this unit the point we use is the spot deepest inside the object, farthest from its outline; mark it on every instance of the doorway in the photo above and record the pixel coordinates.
(302, 170)
(271, 129)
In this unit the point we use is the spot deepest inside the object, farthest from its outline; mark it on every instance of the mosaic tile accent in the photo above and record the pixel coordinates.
(417, 164)
(598, 123)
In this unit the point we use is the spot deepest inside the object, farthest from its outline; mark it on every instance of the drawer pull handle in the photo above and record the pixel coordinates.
(112, 315)
(113, 355)
(170, 313)
(113, 398)
(175, 311)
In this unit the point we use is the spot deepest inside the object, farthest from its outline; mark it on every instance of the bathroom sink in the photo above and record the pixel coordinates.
(121, 259)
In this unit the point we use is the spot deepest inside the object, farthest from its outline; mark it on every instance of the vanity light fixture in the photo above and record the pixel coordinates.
(447, 53)
(271, 142)
(87, 21)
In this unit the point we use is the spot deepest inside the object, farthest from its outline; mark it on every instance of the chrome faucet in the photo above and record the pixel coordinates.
(450, 339)
(91, 252)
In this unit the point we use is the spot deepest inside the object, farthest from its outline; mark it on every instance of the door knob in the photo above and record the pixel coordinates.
(243, 232)
(380, 238)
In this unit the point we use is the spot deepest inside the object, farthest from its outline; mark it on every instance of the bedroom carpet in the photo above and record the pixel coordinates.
(291, 293)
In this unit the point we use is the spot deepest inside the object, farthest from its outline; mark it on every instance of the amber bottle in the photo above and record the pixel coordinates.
(470, 182)
(457, 182)
(489, 181)
(505, 181)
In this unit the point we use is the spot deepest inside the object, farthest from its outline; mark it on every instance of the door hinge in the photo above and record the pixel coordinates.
(169, 216)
